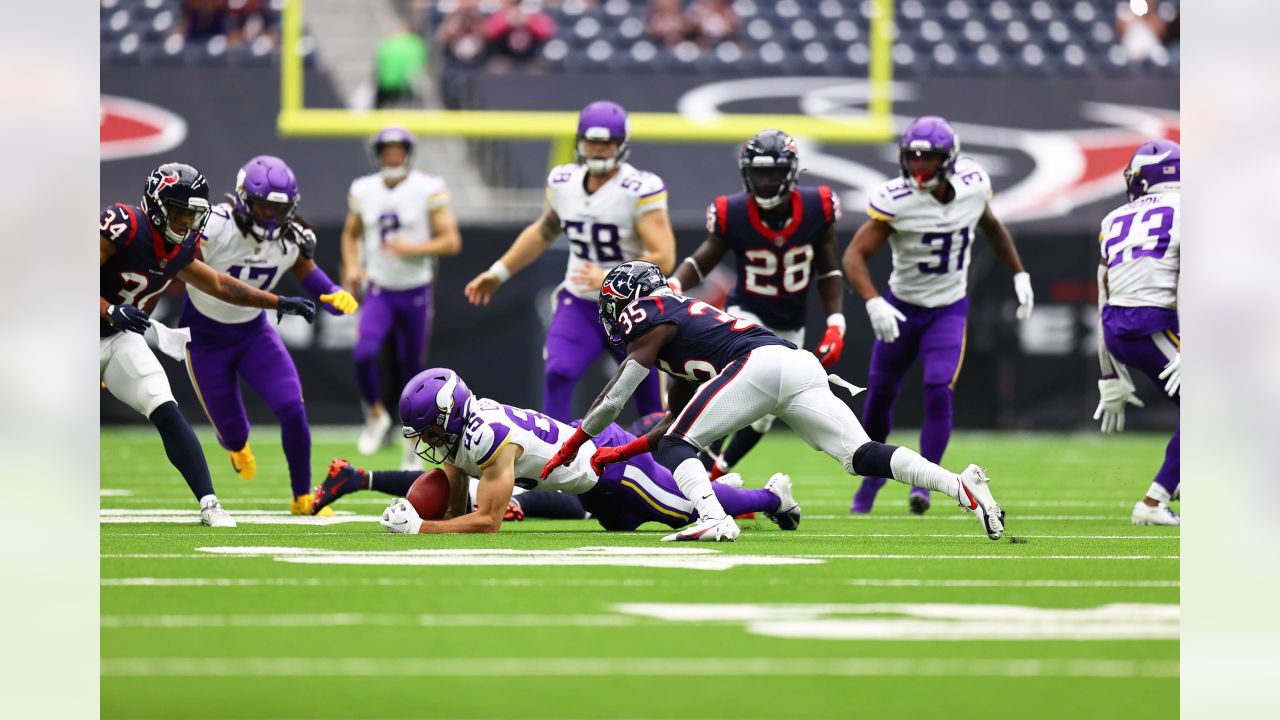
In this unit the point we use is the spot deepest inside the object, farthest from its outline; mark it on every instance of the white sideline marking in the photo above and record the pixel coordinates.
(364, 619)
(107, 492)
(970, 535)
(687, 558)
(929, 621)
(1012, 509)
(243, 517)
(913, 582)
(873, 556)
(651, 667)
(370, 582)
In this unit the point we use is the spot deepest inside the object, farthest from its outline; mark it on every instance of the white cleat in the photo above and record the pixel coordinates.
(733, 480)
(1144, 514)
(722, 529)
(787, 516)
(976, 497)
(409, 459)
(213, 515)
(375, 429)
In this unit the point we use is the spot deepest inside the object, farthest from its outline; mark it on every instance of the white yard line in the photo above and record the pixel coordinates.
(969, 535)
(641, 667)
(916, 582)
(135, 582)
(326, 620)
(874, 556)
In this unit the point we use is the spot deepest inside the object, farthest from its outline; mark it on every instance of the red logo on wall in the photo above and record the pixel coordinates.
(130, 128)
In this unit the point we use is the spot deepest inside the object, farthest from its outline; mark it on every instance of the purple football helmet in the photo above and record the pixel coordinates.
(929, 134)
(392, 135)
(433, 408)
(604, 121)
(1155, 165)
(266, 197)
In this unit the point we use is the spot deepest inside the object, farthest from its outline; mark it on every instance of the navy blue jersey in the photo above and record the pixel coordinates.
(707, 339)
(775, 267)
(144, 262)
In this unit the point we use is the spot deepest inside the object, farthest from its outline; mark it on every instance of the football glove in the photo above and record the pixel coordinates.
(606, 456)
(400, 517)
(1026, 298)
(1172, 375)
(128, 318)
(341, 300)
(567, 452)
(832, 344)
(884, 319)
(301, 307)
(1115, 392)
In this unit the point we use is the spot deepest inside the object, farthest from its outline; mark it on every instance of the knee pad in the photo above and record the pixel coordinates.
(938, 400)
(292, 413)
(872, 459)
(763, 425)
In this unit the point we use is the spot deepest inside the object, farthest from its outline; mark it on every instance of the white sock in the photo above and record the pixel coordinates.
(208, 500)
(695, 484)
(1158, 493)
(910, 468)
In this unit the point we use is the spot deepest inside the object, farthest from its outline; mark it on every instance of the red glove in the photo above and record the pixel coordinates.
(609, 455)
(567, 452)
(832, 344)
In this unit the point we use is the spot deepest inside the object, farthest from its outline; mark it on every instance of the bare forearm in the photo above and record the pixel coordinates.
(350, 249)
(529, 246)
(1001, 243)
(831, 288)
(859, 275)
(471, 523)
(235, 292)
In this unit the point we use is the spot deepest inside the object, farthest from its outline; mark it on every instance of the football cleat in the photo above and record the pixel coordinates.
(976, 497)
(375, 430)
(343, 478)
(733, 480)
(1144, 514)
(303, 504)
(788, 515)
(866, 495)
(213, 515)
(722, 529)
(409, 459)
(918, 501)
(514, 512)
(244, 463)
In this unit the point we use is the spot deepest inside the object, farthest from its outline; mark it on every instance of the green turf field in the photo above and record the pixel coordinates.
(880, 616)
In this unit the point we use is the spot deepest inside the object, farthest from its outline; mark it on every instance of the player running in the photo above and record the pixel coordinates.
(1141, 244)
(928, 217)
(140, 250)
(746, 373)
(780, 235)
(399, 222)
(611, 213)
(505, 446)
(255, 237)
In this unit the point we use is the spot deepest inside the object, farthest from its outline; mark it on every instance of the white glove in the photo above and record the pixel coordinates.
(1172, 374)
(1026, 298)
(884, 319)
(400, 517)
(1115, 393)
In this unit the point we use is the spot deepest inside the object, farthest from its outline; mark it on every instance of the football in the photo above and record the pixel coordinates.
(429, 494)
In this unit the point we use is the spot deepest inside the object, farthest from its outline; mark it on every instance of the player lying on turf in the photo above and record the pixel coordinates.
(746, 372)
(503, 446)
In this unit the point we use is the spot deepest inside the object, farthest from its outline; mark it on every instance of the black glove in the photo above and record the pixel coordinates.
(128, 318)
(295, 306)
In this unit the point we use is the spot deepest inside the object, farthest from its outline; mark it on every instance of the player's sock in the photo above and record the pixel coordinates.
(935, 431)
(908, 467)
(367, 379)
(740, 445)
(553, 505)
(682, 459)
(392, 482)
(738, 501)
(182, 447)
(295, 438)
(1170, 473)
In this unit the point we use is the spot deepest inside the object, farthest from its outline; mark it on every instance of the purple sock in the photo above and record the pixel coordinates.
(367, 379)
(1170, 474)
(935, 432)
(738, 501)
(295, 437)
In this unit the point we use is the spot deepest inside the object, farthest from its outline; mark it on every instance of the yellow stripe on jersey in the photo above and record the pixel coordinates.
(438, 200)
(494, 456)
(550, 194)
(1173, 337)
(877, 215)
(352, 204)
(656, 506)
(651, 199)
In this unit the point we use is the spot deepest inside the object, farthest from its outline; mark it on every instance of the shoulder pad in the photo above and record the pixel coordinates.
(830, 204)
(483, 440)
(970, 174)
(118, 224)
(304, 238)
(560, 174)
(883, 203)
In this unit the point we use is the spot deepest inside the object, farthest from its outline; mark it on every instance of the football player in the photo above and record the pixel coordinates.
(744, 373)
(141, 248)
(611, 213)
(398, 224)
(1141, 244)
(928, 216)
(781, 235)
(256, 237)
(505, 446)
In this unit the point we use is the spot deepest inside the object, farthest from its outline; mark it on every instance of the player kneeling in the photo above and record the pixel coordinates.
(504, 446)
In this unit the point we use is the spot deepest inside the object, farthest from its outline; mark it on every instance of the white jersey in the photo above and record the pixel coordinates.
(492, 425)
(601, 226)
(932, 241)
(400, 210)
(226, 249)
(1141, 243)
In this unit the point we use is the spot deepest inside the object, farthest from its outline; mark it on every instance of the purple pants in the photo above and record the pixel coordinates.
(936, 336)
(1146, 339)
(403, 314)
(219, 356)
(622, 502)
(574, 341)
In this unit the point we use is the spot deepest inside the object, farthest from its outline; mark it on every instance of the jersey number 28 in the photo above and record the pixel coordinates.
(761, 270)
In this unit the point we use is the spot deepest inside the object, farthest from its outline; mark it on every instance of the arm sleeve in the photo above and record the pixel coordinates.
(607, 410)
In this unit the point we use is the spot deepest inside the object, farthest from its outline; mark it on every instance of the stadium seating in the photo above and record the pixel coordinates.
(1027, 37)
(150, 32)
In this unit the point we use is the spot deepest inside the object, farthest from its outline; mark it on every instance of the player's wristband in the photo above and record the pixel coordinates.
(317, 283)
(497, 268)
(639, 446)
(110, 320)
(836, 320)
